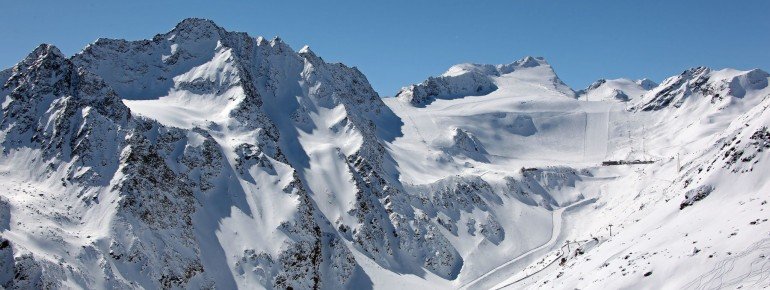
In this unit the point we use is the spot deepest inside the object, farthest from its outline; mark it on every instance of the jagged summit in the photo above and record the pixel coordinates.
(530, 61)
(196, 28)
(306, 49)
(308, 53)
(44, 70)
(189, 28)
(194, 23)
(526, 62)
(46, 50)
(149, 66)
(43, 53)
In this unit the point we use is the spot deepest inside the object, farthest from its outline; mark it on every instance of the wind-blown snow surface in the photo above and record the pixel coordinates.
(204, 158)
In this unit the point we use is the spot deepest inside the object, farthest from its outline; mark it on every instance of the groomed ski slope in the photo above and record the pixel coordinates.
(503, 271)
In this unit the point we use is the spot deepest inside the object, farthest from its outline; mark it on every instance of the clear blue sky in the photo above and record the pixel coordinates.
(396, 43)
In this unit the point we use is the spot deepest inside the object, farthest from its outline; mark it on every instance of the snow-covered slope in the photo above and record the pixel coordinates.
(205, 158)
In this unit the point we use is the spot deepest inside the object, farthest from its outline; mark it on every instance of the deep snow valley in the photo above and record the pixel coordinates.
(205, 158)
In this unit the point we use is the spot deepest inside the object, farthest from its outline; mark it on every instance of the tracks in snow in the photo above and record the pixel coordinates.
(499, 273)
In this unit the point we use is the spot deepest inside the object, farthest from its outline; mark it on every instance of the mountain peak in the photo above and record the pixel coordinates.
(305, 49)
(47, 48)
(261, 40)
(45, 51)
(307, 52)
(526, 62)
(530, 61)
(196, 22)
(45, 56)
(696, 71)
(196, 26)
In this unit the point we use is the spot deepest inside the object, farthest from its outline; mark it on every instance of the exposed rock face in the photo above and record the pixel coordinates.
(548, 187)
(459, 141)
(595, 85)
(465, 141)
(694, 195)
(471, 83)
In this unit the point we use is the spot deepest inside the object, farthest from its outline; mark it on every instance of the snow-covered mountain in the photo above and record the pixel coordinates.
(619, 90)
(205, 158)
(475, 79)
